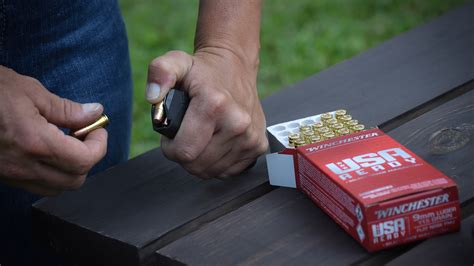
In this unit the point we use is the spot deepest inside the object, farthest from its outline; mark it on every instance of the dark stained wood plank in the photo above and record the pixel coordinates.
(445, 138)
(280, 228)
(446, 141)
(129, 211)
(284, 227)
(136, 205)
(452, 249)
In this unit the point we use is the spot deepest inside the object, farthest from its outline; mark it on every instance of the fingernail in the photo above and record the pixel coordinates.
(90, 107)
(152, 91)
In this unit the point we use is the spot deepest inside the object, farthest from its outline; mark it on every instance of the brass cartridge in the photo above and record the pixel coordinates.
(345, 118)
(339, 113)
(336, 127)
(351, 123)
(299, 143)
(315, 138)
(317, 126)
(343, 131)
(305, 128)
(325, 117)
(81, 133)
(323, 130)
(358, 128)
(159, 113)
(330, 122)
(307, 136)
(292, 138)
(328, 135)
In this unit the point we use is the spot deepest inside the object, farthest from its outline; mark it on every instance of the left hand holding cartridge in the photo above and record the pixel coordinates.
(223, 130)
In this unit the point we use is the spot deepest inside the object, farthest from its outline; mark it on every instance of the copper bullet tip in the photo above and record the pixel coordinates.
(159, 113)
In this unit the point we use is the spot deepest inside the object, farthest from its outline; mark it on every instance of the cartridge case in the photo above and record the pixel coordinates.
(305, 128)
(344, 119)
(357, 128)
(325, 117)
(336, 127)
(307, 136)
(343, 131)
(323, 130)
(82, 133)
(328, 135)
(315, 138)
(330, 122)
(351, 123)
(339, 113)
(299, 143)
(158, 113)
(317, 126)
(292, 138)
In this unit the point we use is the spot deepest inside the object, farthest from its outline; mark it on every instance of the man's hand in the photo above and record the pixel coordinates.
(223, 131)
(34, 153)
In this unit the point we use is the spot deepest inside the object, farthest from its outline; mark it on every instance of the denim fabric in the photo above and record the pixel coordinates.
(78, 50)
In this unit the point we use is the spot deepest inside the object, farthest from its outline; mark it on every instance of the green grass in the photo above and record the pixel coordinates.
(298, 39)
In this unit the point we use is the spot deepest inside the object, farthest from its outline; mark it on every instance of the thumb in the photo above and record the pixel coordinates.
(66, 113)
(164, 72)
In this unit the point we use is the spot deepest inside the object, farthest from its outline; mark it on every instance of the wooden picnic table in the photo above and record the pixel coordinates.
(417, 87)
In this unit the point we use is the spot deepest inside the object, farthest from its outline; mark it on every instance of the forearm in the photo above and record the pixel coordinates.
(220, 78)
(233, 25)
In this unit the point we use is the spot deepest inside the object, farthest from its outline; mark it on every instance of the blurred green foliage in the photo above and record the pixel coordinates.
(298, 39)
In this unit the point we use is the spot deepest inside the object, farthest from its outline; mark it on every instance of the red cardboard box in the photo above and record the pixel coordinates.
(376, 189)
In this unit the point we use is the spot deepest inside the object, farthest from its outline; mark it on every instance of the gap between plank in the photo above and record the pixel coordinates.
(426, 107)
(205, 218)
(265, 188)
(467, 207)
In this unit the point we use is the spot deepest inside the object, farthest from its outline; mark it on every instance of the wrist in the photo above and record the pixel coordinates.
(247, 58)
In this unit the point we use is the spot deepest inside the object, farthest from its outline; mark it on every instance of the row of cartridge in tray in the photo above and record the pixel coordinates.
(331, 125)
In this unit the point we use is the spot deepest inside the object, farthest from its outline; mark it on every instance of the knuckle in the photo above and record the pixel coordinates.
(34, 83)
(251, 142)
(256, 143)
(42, 179)
(186, 154)
(176, 53)
(159, 63)
(84, 165)
(262, 146)
(196, 171)
(13, 171)
(216, 105)
(31, 85)
(32, 145)
(193, 171)
(242, 124)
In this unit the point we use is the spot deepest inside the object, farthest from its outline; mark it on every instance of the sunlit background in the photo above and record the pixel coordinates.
(298, 38)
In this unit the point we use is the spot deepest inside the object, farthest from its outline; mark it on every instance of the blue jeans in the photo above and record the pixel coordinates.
(77, 50)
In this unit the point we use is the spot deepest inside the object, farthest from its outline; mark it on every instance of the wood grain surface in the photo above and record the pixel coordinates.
(123, 215)
(286, 228)
(450, 249)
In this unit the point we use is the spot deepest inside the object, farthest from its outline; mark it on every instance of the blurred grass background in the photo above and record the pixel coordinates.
(298, 39)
